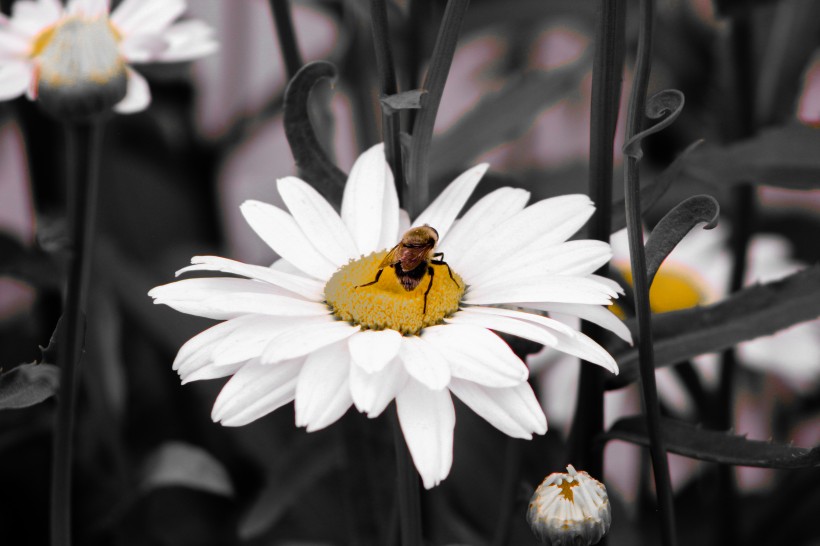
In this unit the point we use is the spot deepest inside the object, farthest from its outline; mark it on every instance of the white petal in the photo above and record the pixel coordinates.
(522, 329)
(491, 210)
(476, 354)
(254, 391)
(443, 210)
(595, 314)
(404, 221)
(188, 40)
(514, 411)
(13, 45)
(15, 79)
(570, 258)
(137, 95)
(307, 288)
(224, 298)
(304, 339)
(250, 341)
(197, 351)
(317, 220)
(88, 8)
(142, 48)
(427, 420)
(570, 341)
(553, 288)
(323, 392)
(280, 231)
(372, 392)
(30, 18)
(369, 209)
(146, 16)
(424, 363)
(371, 350)
(548, 222)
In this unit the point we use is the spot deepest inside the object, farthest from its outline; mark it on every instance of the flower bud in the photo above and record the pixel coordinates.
(569, 509)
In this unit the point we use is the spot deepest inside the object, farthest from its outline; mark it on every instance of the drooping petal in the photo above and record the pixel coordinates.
(304, 339)
(188, 40)
(508, 325)
(443, 210)
(256, 390)
(197, 352)
(513, 410)
(371, 350)
(146, 16)
(142, 48)
(323, 391)
(595, 314)
(224, 298)
(303, 286)
(476, 354)
(372, 392)
(137, 94)
(279, 230)
(491, 210)
(424, 363)
(427, 420)
(370, 208)
(15, 79)
(549, 221)
(249, 342)
(556, 288)
(317, 220)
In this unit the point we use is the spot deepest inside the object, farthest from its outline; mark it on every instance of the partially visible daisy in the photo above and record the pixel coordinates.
(67, 55)
(316, 329)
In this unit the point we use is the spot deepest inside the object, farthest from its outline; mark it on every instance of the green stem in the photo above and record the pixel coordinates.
(408, 490)
(391, 123)
(445, 48)
(607, 75)
(287, 37)
(632, 195)
(83, 141)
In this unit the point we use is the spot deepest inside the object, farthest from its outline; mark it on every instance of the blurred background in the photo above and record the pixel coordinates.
(152, 469)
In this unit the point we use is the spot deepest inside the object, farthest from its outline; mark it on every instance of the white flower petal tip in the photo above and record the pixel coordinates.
(570, 508)
(371, 350)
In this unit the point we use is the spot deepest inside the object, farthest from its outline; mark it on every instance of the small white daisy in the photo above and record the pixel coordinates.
(309, 330)
(61, 54)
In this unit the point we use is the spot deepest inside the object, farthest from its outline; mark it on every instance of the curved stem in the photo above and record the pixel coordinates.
(391, 123)
(83, 141)
(637, 103)
(419, 165)
(607, 75)
(408, 490)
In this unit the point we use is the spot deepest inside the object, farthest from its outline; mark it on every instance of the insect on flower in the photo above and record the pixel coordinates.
(412, 259)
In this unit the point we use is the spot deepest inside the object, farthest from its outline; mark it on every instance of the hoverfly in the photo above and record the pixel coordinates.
(411, 259)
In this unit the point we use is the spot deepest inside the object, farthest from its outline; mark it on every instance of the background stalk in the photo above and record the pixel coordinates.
(635, 116)
(607, 76)
(283, 21)
(83, 142)
(408, 490)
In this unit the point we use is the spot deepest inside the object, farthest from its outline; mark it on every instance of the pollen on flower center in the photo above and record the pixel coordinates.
(386, 304)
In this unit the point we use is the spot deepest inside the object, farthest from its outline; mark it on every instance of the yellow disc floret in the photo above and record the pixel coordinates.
(386, 304)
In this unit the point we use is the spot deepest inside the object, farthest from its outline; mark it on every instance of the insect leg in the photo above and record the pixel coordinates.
(374, 281)
(432, 272)
(442, 262)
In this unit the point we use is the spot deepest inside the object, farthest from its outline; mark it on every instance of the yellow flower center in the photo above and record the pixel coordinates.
(672, 290)
(566, 489)
(386, 304)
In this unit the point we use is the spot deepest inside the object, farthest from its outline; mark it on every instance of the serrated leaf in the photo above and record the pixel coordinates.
(311, 160)
(759, 310)
(177, 464)
(784, 156)
(674, 226)
(28, 384)
(715, 446)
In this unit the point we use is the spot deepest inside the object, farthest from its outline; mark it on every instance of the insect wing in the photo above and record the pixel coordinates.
(391, 258)
(411, 257)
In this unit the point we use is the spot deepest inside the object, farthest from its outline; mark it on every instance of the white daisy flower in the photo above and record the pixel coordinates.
(67, 55)
(316, 329)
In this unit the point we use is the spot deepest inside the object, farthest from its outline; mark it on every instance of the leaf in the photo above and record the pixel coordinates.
(784, 156)
(652, 193)
(503, 116)
(664, 106)
(675, 225)
(715, 446)
(176, 464)
(311, 160)
(406, 100)
(759, 310)
(301, 468)
(28, 384)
